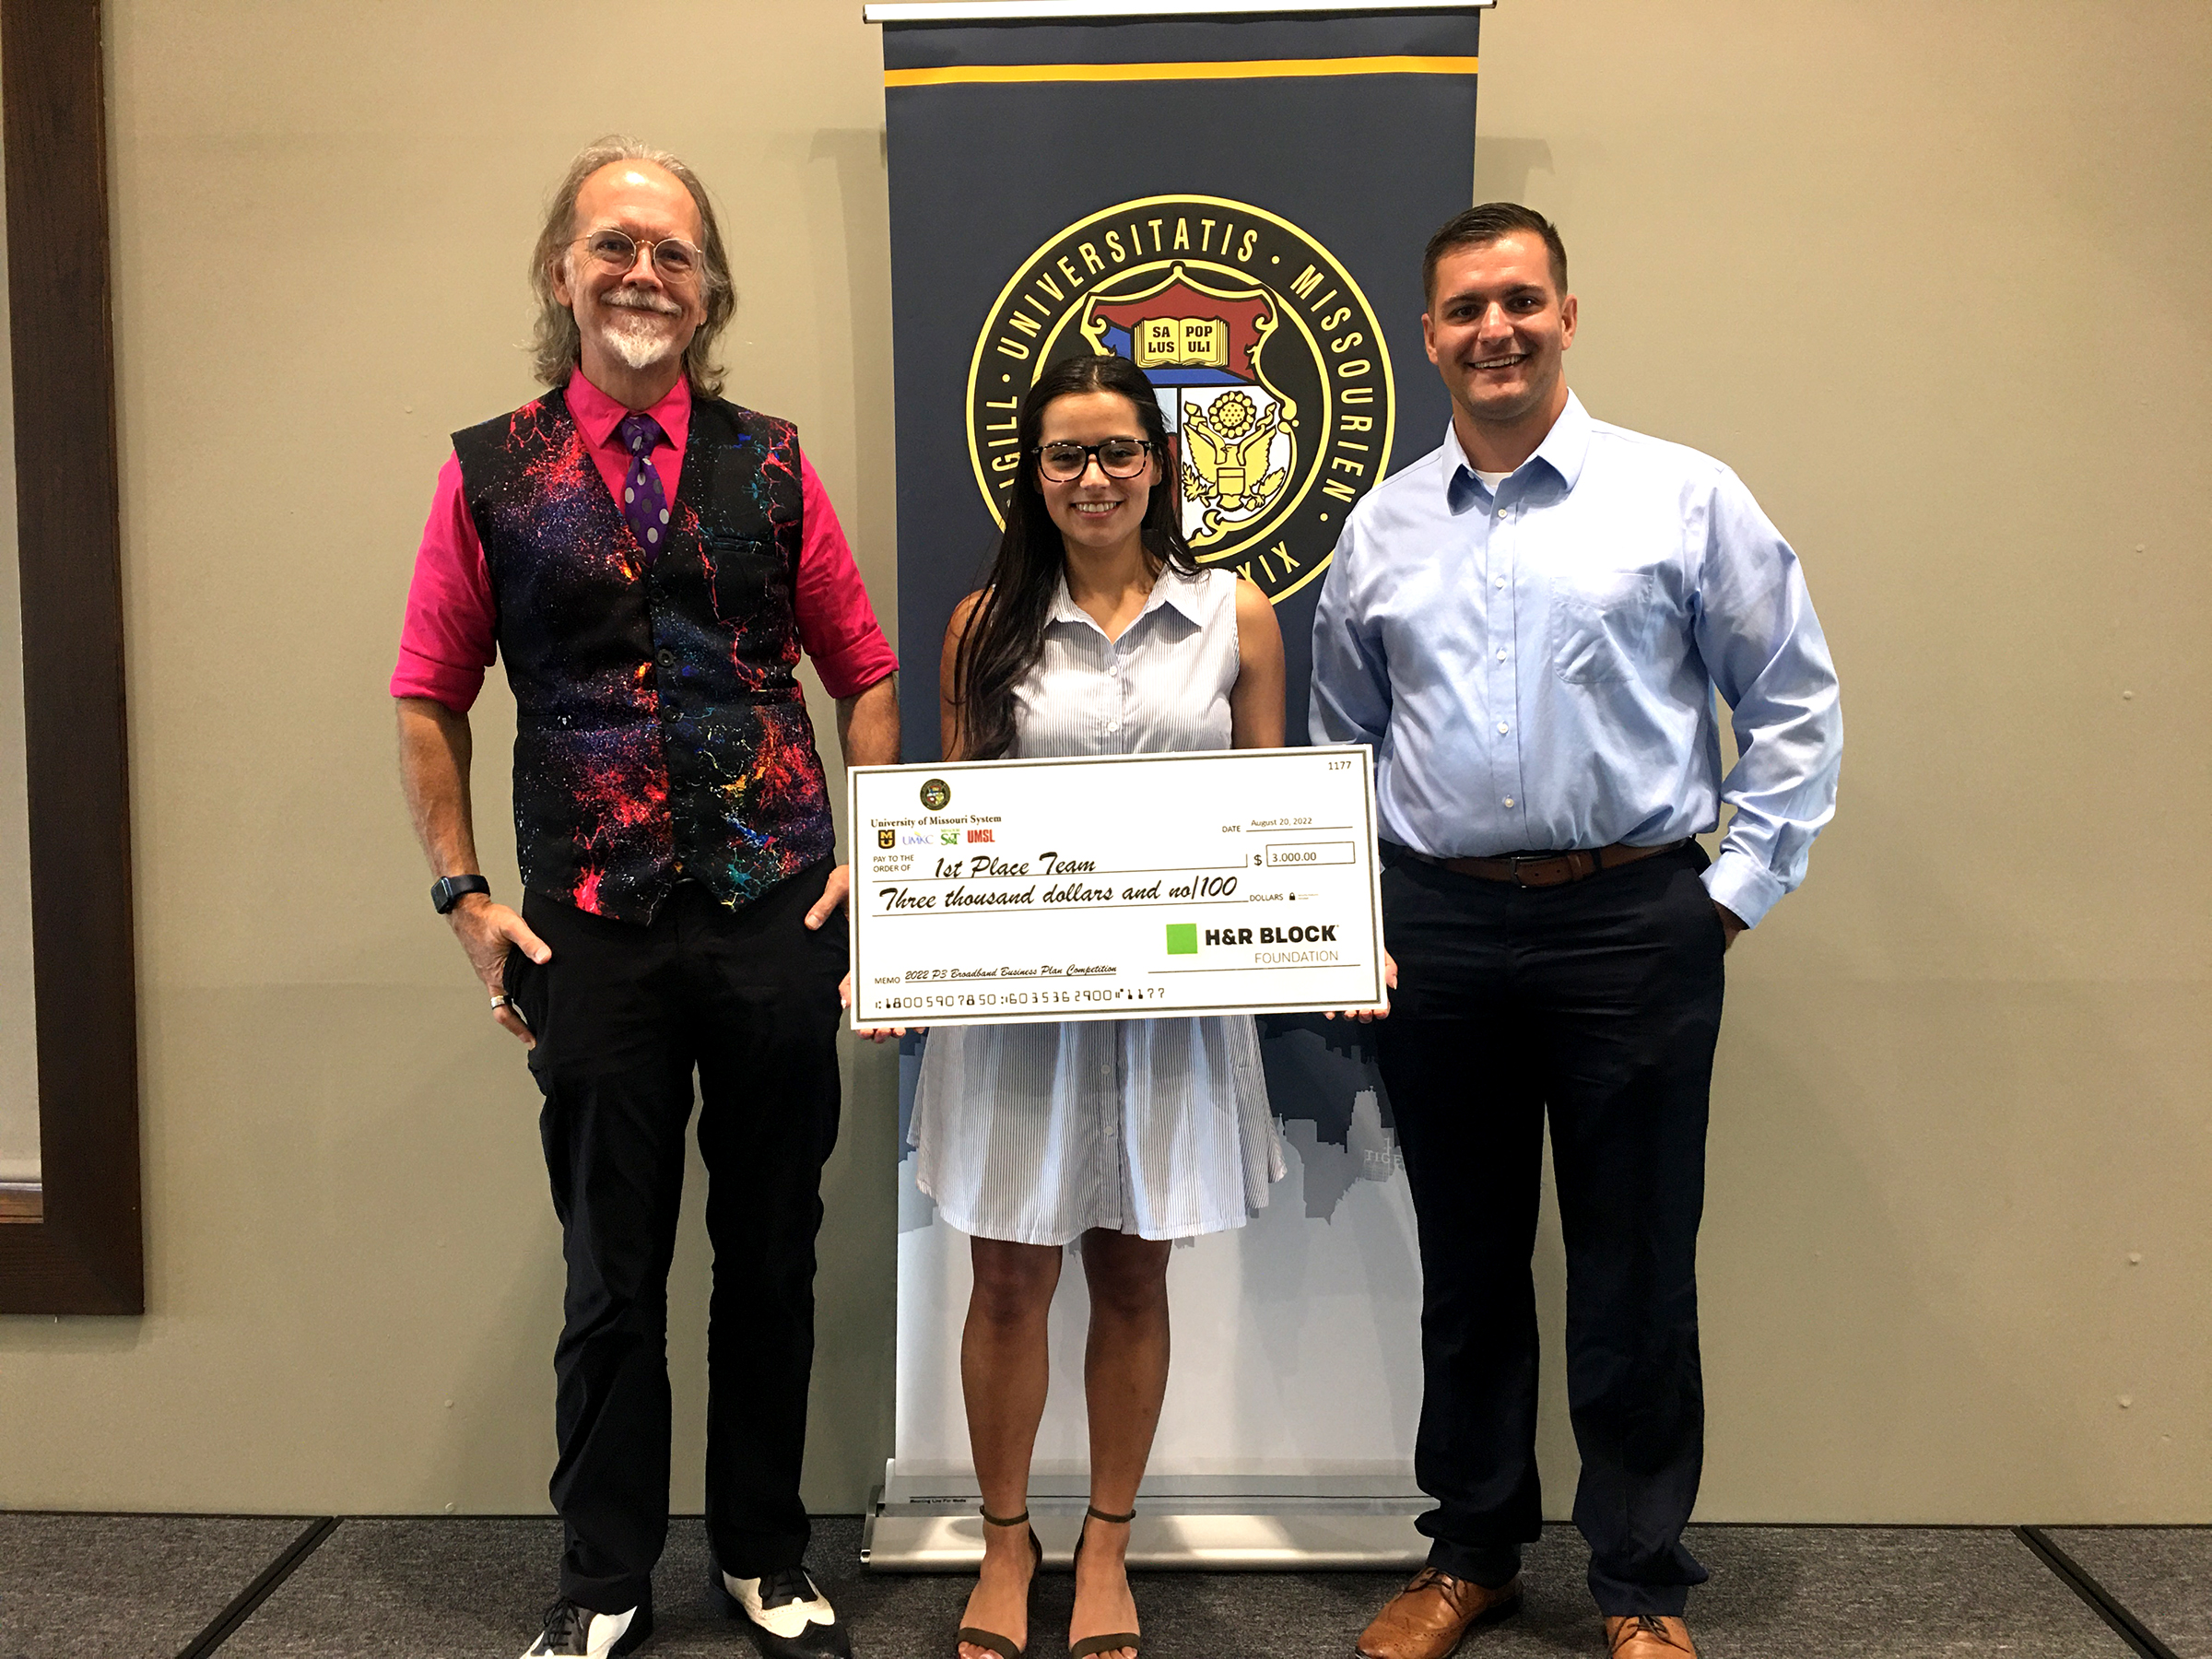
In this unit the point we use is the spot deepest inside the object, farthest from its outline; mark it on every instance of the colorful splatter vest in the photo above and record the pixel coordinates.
(660, 730)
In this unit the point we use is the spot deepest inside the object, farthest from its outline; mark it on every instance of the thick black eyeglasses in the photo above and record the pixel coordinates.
(1118, 458)
(676, 259)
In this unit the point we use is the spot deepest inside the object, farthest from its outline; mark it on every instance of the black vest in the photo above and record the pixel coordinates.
(659, 726)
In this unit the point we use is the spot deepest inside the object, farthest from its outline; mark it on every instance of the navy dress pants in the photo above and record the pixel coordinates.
(1596, 1003)
(623, 1014)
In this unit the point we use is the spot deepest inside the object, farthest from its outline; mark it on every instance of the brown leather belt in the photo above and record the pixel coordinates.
(1547, 869)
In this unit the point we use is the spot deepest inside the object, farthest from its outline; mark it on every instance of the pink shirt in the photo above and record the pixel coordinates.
(448, 639)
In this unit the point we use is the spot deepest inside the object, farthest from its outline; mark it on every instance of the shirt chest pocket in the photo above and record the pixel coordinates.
(1604, 624)
(747, 577)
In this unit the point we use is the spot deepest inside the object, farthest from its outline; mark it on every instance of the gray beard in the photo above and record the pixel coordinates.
(638, 337)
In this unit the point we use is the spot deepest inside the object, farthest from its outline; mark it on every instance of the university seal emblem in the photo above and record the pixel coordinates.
(1268, 361)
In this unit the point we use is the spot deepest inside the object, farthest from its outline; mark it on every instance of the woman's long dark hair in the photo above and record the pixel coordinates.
(1005, 632)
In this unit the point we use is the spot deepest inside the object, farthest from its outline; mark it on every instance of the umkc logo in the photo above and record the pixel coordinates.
(1268, 361)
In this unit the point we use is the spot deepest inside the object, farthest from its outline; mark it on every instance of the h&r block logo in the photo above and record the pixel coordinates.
(1182, 939)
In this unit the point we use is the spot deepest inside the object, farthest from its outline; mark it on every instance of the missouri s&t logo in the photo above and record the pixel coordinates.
(1268, 361)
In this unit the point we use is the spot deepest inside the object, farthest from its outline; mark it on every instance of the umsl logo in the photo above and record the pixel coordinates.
(887, 839)
(978, 835)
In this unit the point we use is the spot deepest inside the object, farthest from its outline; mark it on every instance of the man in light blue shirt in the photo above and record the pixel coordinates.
(1528, 626)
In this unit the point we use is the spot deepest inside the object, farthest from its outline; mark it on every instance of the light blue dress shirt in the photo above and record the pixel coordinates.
(1535, 668)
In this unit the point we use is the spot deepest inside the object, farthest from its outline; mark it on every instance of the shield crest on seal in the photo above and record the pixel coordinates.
(1201, 345)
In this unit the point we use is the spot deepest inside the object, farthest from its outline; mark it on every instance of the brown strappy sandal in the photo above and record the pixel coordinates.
(1001, 1645)
(1092, 1646)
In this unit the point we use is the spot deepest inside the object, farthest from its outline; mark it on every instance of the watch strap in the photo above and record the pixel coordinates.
(449, 890)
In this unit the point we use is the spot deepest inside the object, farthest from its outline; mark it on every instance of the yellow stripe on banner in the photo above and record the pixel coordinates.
(1268, 69)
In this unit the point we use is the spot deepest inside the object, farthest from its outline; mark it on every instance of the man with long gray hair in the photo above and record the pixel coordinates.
(652, 560)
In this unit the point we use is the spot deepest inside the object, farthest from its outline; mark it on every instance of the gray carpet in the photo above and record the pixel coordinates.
(1887, 1593)
(141, 1587)
(2162, 1574)
(1777, 1592)
(124, 1586)
(441, 1588)
(436, 1586)
(412, 1589)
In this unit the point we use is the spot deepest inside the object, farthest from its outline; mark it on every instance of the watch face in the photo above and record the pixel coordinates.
(449, 890)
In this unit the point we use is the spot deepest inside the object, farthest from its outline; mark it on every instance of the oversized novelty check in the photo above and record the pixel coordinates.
(1114, 887)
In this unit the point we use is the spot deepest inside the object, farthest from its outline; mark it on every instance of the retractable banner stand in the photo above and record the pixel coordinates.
(1236, 196)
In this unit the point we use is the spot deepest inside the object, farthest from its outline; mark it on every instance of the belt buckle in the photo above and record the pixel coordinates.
(1518, 859)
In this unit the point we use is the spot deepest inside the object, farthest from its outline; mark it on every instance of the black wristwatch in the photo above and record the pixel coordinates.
(449, 890)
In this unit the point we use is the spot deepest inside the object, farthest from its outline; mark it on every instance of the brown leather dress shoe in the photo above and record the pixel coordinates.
(1648, 1636)
(1432, 1613)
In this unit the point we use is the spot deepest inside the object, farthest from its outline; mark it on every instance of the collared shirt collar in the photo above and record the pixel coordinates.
(598, 415)
(1567, 445)
(1564, 448)
(1170, 588)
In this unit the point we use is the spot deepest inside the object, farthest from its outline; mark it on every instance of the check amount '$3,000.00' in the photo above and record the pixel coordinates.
(1114, 887)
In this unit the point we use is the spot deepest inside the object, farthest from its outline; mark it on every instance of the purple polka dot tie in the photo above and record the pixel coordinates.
(645, 502)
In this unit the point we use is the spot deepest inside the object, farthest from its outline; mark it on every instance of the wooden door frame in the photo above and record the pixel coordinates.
(86, 1253)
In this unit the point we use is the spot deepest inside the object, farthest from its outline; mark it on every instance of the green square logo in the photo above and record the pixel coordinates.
(1182, 939)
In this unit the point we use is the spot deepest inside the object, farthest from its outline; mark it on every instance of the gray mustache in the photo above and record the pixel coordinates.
(632, 299)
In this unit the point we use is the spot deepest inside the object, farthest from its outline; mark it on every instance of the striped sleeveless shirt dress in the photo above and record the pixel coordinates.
(1158, 1127)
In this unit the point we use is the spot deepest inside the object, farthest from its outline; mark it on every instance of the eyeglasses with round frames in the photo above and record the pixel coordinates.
(1117, 458)
(674, 259)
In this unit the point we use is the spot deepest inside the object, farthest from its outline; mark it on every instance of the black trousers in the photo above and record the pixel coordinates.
(623, 1015)
(1598, 1004)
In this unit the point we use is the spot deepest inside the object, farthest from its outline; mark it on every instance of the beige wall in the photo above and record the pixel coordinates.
(1933, 278)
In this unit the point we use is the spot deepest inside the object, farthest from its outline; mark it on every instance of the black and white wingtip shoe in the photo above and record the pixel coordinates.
(574, 1630)
(787, 1617)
